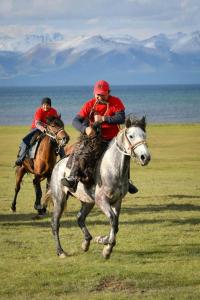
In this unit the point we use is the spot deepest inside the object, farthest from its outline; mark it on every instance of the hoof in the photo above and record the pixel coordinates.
(44, 210)
(13, 210)
(41, 212)
(85, 245)
(62, 255)
(107, 250)
(38, 207)
(101, 240)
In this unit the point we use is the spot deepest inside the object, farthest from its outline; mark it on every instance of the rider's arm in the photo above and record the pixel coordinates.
(80, 123)
(40, 125)
(118, 118)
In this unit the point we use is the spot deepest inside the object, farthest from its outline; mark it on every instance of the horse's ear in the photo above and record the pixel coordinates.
(143, 123)
(59, 115)
(128, 122)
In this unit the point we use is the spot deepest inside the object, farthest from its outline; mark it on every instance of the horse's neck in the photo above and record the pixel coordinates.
(46, 148)
(115, 161)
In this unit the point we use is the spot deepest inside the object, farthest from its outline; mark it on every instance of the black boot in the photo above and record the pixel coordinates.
(61, 152)
(71, 182)
(22, 153)
(131, 187)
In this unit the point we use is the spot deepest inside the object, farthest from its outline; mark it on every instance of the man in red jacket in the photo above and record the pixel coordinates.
(105, 111)
(38, 124)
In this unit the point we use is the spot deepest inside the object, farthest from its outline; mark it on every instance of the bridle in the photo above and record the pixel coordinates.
(54, 136)
(131, 147)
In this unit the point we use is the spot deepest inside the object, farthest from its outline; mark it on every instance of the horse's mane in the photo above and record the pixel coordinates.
(56, 120)
(132, 120)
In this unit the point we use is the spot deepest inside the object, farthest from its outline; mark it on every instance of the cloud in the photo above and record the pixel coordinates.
(136, 17)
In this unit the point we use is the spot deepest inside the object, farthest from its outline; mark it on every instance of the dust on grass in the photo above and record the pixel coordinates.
(114, 284)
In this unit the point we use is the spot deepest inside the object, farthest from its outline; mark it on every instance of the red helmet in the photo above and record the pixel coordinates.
(101, 87)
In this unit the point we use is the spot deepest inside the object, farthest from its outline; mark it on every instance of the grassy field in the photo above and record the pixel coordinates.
(157, 255)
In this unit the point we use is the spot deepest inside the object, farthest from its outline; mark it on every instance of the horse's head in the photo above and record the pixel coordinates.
(55, 129)
(134, 139)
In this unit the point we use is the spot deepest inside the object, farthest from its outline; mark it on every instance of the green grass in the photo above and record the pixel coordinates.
(157, 255)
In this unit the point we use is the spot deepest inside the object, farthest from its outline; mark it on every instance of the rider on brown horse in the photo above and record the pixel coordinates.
(38, 126)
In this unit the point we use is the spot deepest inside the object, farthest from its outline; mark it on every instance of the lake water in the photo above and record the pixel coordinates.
(160, 104)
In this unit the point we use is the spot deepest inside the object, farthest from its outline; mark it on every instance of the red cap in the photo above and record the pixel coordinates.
(101, 87)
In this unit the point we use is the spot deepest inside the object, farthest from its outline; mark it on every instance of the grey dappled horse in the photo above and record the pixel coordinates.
(111, 184)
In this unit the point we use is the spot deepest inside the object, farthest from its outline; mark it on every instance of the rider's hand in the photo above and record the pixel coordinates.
(99, 119)
(90, 131)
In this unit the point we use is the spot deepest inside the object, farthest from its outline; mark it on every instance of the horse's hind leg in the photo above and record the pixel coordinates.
(55, 224)
(20, 171)
(85, 210)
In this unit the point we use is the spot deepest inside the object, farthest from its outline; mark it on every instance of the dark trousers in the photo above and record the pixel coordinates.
(27, 139)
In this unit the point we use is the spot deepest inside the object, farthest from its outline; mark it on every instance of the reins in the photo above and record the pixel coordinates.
(53, 136)
(132, 147)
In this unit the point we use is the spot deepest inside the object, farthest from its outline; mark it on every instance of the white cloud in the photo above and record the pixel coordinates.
(137, 17)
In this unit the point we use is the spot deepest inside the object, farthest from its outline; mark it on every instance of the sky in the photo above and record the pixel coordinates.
(138, 18)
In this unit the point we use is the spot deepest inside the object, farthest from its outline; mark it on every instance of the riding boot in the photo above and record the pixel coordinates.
(22, 153)
(131, 187)
(72, 180)
(61, 152)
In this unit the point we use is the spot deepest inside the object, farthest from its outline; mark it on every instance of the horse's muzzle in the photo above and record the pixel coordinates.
(144, 159)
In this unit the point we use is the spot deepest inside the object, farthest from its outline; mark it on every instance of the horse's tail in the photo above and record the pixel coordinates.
(47, 200)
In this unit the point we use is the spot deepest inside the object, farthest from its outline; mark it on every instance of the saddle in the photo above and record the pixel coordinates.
(34, 144)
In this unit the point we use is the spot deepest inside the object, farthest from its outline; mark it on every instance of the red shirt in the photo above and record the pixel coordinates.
(91, 107)
(41, 115)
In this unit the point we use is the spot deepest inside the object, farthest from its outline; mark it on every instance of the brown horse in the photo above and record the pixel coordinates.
(42, 165)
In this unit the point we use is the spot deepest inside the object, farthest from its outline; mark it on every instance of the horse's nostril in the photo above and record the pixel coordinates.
(142, 157)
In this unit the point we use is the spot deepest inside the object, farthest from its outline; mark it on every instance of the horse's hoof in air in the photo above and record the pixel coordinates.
(85, 245)
(101, 239)
(107, 251)
(13, 210)
(62, 255)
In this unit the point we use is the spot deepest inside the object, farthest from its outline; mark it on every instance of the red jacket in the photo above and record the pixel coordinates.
(41, 115)
(90, 108)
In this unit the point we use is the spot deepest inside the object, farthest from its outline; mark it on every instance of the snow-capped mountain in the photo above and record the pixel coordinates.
(24, 43)
(49, 58)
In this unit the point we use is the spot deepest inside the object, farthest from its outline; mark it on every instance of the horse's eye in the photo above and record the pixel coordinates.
(131, 136)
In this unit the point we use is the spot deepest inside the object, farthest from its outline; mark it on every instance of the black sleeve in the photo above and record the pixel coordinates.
(118, 118)
(80, 123)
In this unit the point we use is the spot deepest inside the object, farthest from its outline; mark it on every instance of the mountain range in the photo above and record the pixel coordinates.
(54, 60)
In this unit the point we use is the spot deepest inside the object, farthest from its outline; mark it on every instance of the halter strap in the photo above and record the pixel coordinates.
(135, 145)
(53, 134)
(132, 147)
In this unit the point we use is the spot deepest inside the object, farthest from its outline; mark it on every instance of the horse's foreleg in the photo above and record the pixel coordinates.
(20, 171)
(55, 224)
(38, 194)
(103, 202)
(85, 210)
